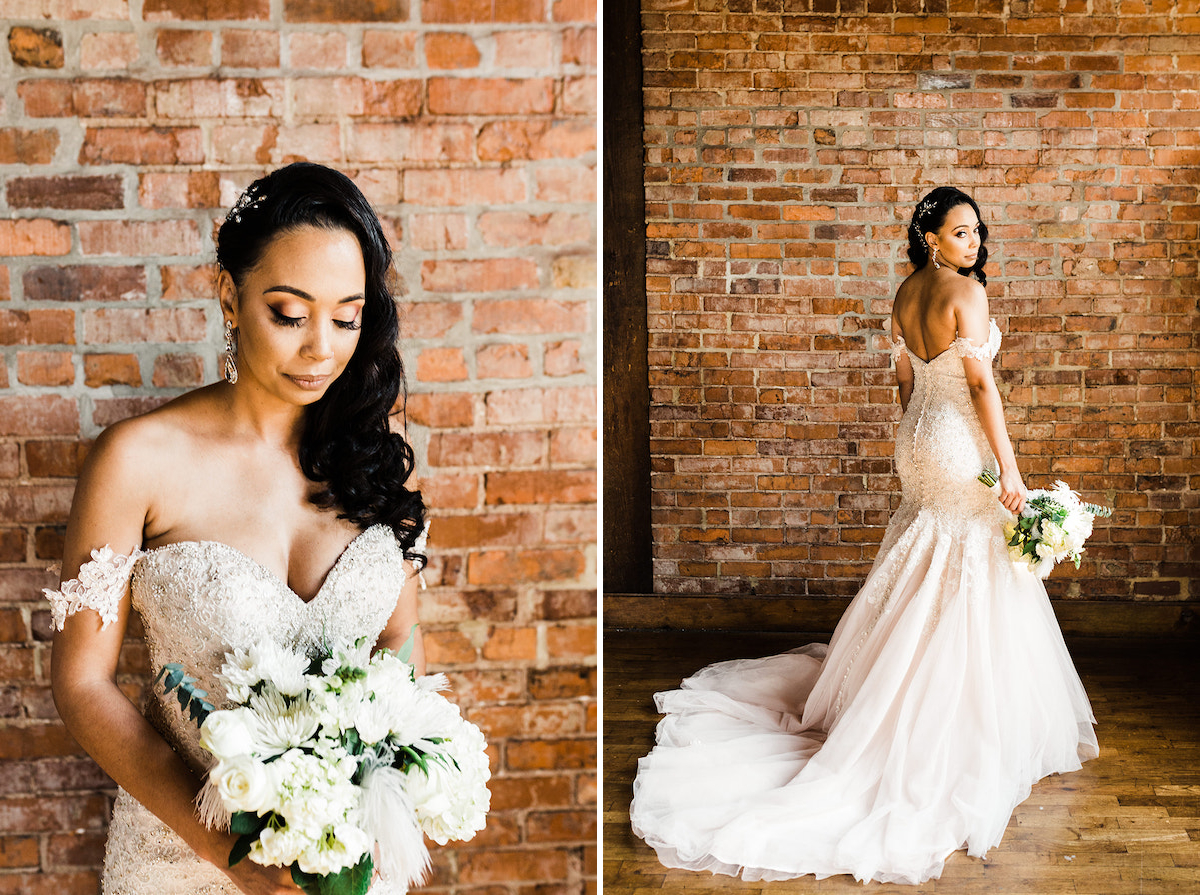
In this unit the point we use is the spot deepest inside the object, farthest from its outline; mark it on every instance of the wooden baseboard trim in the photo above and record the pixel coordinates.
(743, 612)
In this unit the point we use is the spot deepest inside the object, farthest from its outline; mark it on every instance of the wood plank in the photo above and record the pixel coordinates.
(1128, 822)
(747, 612)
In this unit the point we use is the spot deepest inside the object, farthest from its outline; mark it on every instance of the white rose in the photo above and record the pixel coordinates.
(244, 783)
(229, 732)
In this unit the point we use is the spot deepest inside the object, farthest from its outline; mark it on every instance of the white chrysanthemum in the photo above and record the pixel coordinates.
(452, 799)
(282, 723)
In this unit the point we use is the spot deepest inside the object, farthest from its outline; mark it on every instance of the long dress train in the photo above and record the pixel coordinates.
(944, 694)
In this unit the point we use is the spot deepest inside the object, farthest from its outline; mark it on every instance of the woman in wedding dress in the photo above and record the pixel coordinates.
(271, 504)
(946, 690)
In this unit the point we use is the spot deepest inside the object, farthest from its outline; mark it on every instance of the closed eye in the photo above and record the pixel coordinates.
(284, 320)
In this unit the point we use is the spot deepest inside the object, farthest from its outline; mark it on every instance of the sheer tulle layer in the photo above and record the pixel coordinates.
(945, 693)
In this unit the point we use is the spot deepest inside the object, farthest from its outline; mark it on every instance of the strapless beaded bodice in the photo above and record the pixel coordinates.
(197, 600)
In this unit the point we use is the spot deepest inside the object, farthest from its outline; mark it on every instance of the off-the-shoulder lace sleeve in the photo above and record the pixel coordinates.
(100, 586)
(984, 352)
(898, 347)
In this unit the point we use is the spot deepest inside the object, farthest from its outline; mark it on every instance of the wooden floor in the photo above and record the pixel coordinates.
(1127, 824)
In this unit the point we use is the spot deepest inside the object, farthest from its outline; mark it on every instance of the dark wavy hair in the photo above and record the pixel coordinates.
(930, 215)
(347, 445)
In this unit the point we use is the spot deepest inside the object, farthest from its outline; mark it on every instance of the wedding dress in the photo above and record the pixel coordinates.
(197, 600)
(944, 694)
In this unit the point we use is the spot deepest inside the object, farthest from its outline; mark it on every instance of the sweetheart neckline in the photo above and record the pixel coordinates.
(329, 574)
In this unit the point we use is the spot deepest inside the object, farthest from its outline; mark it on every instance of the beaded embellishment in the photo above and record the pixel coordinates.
(100, 585)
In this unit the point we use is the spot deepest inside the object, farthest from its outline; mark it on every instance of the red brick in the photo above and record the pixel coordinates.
(58, 883)
(54, 459)
(182, 282)
(464, 187)
(560, 826)
(134, 238)
(97, 192)
(438, 232)
(319, 50)
(429, 319)
(537, 755)
(47, 368)
(10, 466)
(178, 371)
(399, 141)
(37, 327)
(39, 415)
(76, 849)
(502, 362)
(510, 644)
(505, 228)
(440, 410)
(562, 405)
(525, 792)
(562, 184)
(112, 410)
(449, 50)
(489, 529)
(18, 851)
(491, 449)
(449, 648)
(34, 236)
(488, 275)
(27, 147)
(579, 47)
(108, 50)
(577, 641)
(12, 549)
(111, 369)
(451, 491)
(85, 284)
(560, 683)
(205, 10)
(244, 48)
(502, 567)
(579, 95)
(510, 139)
(345, 10)
(184, 48)
(193, 189)
(512, 316)
(448, 12)
(26, 503)
(389, 49)
(562, 358)
(573, 445)
(36, 47)
(574, 10)
(136, 325)
(5, 287)
(526, 49)
(490, 96)
(505, 721)
(142, 146)
(575, 272)
(537, 486)
(441, 365)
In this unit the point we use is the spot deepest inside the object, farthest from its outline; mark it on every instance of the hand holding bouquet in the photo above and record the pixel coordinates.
(1051, 528)
(336, 763)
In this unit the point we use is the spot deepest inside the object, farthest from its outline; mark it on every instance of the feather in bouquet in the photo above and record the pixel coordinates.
(1051, 528)
(335, 765)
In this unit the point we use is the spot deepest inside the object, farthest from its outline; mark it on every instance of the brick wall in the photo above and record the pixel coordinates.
(126, 130)
(786, 144)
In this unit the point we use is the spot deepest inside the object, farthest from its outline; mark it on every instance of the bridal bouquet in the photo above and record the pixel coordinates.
(335, 763)
(1051, 528)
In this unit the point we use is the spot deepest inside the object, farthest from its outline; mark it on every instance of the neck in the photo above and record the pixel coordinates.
(260, 416)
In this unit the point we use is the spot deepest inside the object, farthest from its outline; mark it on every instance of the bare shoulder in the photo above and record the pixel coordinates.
(966, 294)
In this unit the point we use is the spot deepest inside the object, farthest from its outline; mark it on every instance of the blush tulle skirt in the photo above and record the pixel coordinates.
(944, 694)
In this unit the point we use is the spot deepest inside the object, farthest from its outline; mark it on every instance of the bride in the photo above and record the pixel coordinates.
(271, 504)
(946, 690)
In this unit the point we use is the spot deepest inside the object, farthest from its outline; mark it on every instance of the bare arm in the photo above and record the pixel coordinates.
(404, 622)
(110, 507)
(905, 378)
(972, 319)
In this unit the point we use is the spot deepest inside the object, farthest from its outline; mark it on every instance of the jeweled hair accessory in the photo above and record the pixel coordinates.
(249, 200)
(927, 205)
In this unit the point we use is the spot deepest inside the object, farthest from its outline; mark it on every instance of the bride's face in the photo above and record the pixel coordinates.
(958, 238)
(298, 313)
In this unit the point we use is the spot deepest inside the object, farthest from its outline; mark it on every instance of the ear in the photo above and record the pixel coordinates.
(228, 296)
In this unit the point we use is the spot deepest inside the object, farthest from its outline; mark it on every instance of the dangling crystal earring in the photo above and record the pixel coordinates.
(230, 371)
(936, 266)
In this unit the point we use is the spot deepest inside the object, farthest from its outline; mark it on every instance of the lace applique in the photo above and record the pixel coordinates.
(984, 352)
(99, 587)
(898, 347)
(419, 547)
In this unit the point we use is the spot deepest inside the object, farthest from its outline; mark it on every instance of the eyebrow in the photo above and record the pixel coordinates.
(300, 293)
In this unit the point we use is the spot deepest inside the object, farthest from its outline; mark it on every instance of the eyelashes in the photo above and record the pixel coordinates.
(283, 320)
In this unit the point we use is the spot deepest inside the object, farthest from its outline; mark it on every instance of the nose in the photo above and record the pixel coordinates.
(318, 342)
